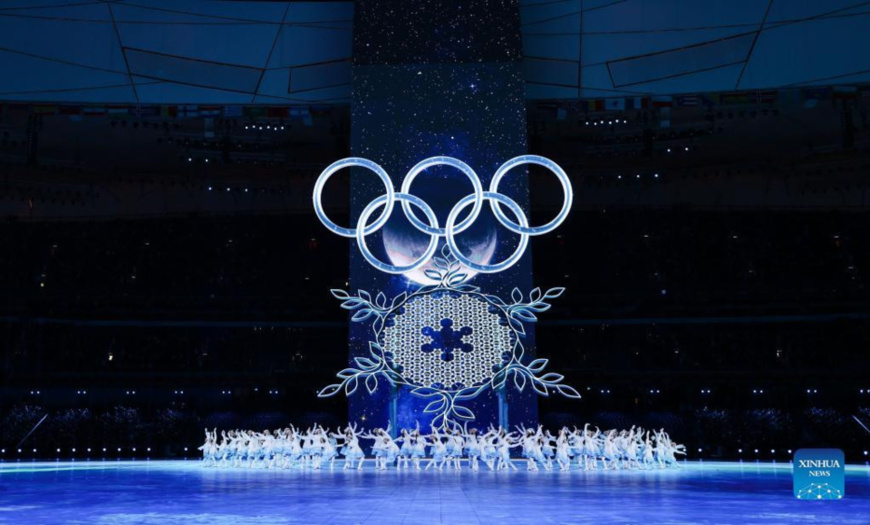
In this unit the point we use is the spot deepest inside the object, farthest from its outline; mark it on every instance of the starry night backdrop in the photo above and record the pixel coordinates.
(436, 78)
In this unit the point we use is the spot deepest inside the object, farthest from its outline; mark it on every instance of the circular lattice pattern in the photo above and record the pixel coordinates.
(817, 491)
(447, 341)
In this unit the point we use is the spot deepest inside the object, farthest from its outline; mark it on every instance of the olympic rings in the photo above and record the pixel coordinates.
(567, 200)
(345, 163)
(461, 166)
(519, 226)
(488, 268)
(361, 237)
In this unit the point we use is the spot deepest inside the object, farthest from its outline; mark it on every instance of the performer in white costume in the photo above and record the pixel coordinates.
(315, 447)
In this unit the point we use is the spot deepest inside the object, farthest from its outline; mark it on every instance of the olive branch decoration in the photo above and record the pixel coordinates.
(450, 278)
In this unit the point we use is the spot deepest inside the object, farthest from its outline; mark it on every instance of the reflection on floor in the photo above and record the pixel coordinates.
(183, 492)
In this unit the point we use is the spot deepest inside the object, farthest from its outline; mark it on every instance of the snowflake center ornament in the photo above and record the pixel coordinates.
(447, 341)
(446, 358)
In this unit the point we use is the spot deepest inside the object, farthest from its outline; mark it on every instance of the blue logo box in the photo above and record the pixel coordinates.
(819, 474)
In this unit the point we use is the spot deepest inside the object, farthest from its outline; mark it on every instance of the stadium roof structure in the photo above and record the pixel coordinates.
(273, 52)
(602, 48)
(165, 51)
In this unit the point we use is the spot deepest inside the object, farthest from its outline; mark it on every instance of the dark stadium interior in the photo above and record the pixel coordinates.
(156, 281)
(380, 262)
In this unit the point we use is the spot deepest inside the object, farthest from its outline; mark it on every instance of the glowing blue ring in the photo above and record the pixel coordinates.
(567, 200)
(488, 268)
(361, 235)
(438, 161)
(345, 163)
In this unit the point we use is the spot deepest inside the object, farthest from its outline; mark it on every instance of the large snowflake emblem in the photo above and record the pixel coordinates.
(461, 343)
(448, 342)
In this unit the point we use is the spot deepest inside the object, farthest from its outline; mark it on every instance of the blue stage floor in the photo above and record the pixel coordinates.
(183, 492)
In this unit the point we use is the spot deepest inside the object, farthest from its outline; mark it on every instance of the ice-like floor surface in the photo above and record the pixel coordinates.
(183, 492)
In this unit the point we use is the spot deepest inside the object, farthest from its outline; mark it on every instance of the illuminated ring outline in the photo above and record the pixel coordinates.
(443, 161)
(488, 268)
(353, 162)
(557, 170)
(361, 229)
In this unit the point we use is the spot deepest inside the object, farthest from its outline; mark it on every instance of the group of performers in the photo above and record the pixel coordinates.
(317, 447)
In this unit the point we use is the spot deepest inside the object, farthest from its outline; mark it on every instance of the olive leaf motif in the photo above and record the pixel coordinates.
(377, 367)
